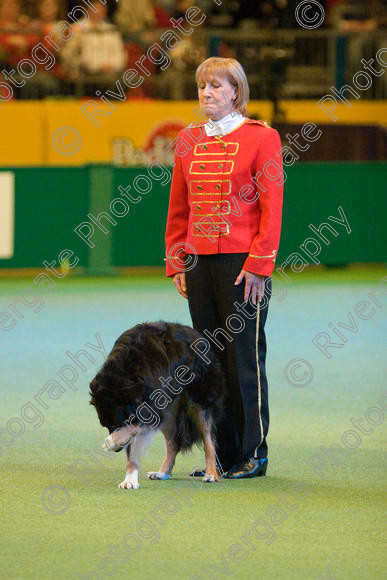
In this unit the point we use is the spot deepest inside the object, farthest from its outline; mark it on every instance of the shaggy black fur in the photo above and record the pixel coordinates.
(141, 356)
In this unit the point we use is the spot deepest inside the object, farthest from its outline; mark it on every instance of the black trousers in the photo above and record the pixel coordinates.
(235, 331)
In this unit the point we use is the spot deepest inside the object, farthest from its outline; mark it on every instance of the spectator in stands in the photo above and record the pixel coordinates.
(162, 13)
(99, 51)
(45, 82)
(111, 6)
(49, 13)
(135, 15)
(16, 36)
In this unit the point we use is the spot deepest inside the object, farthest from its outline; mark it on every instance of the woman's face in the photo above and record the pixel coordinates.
(216, 97)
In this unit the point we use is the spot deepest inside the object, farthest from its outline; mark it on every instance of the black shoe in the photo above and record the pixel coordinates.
(197, 473)
(250, 468)
(201, 472)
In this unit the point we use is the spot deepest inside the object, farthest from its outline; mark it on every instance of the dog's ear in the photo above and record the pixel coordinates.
(93, 386)
(92, 390)
(99, 394)
(129, 392)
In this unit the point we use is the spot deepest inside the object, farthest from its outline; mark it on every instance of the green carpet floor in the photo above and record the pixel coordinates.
(331, 527)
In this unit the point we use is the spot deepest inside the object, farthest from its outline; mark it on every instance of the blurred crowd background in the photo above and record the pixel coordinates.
(282, 59)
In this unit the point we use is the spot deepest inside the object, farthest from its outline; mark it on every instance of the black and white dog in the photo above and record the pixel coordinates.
(153, 380)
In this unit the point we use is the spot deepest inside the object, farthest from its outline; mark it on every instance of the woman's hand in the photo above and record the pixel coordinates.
(179, 282)
(254, 285)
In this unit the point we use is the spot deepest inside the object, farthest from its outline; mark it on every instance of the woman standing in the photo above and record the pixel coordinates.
(222, 239)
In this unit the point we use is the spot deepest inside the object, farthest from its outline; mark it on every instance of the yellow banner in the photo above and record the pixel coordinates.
(132, 133)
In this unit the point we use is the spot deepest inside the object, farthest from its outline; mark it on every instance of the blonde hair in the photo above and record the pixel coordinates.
(233, 71)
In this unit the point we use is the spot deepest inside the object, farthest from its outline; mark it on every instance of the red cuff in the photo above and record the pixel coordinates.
(174, 265)
(259, 266)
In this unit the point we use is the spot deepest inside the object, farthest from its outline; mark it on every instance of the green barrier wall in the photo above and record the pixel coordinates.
(51, 202)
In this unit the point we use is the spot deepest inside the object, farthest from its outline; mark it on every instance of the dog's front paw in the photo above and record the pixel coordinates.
(128, 485)
(158, 475)
(110, 444)
(209, 478)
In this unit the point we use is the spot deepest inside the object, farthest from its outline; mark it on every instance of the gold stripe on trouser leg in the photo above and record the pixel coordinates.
(258, 376)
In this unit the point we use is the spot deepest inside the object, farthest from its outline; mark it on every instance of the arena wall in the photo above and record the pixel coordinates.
(46, 220)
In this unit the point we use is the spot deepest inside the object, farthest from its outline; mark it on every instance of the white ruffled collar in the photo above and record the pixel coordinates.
(224, 125)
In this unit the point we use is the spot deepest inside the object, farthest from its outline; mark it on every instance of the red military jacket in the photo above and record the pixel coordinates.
(226, 196)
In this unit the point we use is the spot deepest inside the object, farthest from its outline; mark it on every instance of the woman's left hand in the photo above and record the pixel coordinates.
(254, 285)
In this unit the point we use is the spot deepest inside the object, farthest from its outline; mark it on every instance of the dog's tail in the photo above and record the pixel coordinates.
(187, 432)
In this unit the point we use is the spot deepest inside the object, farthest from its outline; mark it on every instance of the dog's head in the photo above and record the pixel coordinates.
(129, 372)
(115, 412)
(113, 401)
